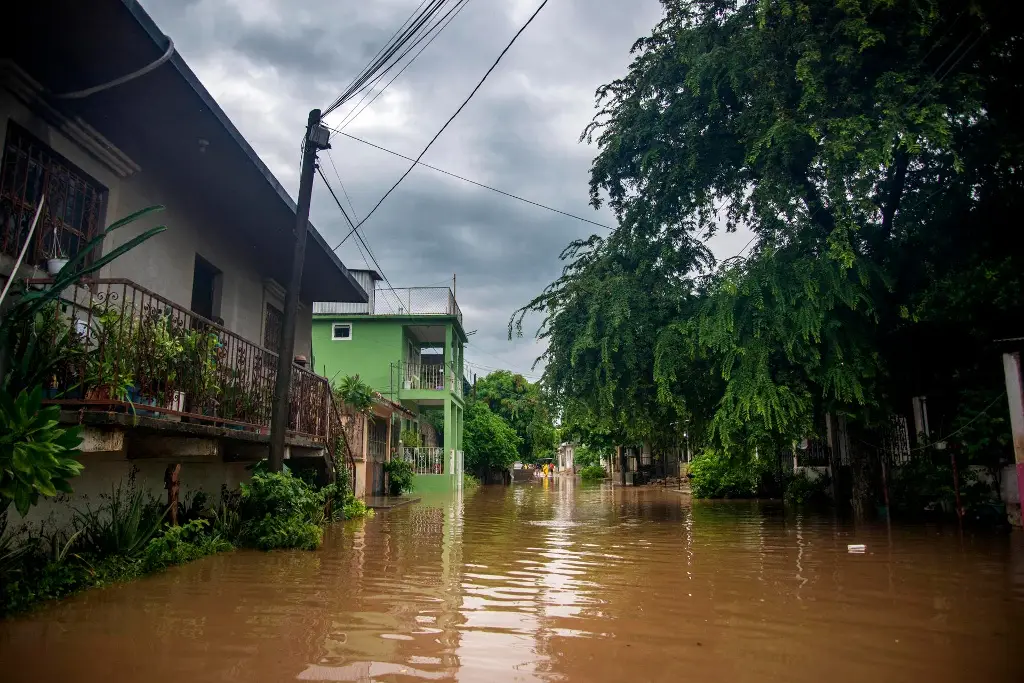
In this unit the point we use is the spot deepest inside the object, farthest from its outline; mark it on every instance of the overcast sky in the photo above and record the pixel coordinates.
(268, 62)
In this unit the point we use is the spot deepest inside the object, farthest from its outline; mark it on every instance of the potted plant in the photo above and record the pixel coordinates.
(109, 373)
(159, 351)
(196, 370)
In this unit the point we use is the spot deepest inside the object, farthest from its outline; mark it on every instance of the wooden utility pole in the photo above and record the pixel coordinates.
(317, 137)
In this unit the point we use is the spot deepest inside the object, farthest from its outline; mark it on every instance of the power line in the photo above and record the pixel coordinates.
(449, 121)
(447, 19)
(343, 213)
(414, 30)
(472, 182)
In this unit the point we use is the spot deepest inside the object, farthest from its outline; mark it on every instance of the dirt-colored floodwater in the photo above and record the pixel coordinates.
(557, 583)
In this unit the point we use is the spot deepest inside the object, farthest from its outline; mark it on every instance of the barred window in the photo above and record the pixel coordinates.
(74, 205)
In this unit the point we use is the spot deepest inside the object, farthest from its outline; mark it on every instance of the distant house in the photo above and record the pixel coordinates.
(566, 457)
(213, 279)
(408, 345)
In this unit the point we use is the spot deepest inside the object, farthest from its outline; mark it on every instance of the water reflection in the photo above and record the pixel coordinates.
(551, 582)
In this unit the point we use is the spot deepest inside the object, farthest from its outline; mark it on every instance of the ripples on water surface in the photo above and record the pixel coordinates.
(556, 583)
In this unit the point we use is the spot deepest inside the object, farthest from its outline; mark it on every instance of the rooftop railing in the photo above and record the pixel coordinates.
(405, 301)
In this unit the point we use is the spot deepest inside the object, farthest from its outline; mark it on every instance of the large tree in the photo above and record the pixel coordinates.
(491, 443)
(519, 402)
(873, 148)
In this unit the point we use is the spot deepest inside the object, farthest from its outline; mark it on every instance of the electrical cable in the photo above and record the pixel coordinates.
(449, 121)
(353, 114)
(414, 30)
(345, 214)
(79, 94)
(472, 182)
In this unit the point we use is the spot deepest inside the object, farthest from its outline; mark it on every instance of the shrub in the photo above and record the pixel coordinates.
(715, 475)
(181, 544)
(355, 509)
(592, 473)
(802, 490)
(122, 525)
(400, 476)
(280, 511)
(469, 482)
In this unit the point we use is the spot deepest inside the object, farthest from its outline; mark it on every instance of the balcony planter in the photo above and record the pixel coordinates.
(137, 399)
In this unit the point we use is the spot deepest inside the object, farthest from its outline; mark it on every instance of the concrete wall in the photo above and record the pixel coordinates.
(165, 264)
(375, 346)
(105, 470)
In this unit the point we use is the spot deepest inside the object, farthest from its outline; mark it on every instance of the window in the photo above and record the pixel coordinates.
(205, 289)
(75, 203)
(341, 332)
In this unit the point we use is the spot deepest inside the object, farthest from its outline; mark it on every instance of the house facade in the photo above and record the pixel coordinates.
(407, 344)
(210, 285)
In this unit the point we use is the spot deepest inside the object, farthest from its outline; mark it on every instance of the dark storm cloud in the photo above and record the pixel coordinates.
(269, 61)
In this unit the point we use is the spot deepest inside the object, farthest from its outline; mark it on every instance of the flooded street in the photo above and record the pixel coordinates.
(556, 583)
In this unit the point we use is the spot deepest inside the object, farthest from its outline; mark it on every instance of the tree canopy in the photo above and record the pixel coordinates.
(873, 149)
(490, 443)
(519, 403)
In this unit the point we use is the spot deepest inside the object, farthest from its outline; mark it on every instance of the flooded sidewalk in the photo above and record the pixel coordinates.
(557, 582)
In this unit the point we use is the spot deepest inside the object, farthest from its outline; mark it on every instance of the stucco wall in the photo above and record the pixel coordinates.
(375, 345)
(165, 264)
(104, 471)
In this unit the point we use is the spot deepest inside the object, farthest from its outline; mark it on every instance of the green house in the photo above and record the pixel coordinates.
(408, 345)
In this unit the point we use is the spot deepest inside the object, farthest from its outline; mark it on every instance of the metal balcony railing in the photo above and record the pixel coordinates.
(433, 376)
(425, 460)
(120, 346)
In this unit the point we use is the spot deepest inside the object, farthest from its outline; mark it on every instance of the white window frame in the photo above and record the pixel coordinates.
(334, 331)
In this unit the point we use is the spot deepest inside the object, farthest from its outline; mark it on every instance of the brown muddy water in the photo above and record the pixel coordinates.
(557, 583)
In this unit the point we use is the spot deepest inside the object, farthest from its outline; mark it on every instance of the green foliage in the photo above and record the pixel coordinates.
(37, 457)
(123, 524)
(715, 475)
(592, 473)
(411, 438)
(924, 484)
(355, 393)
(469, 482)
(490, 442)
(875, 167)
(400, 476)
(585, 456)
(520, 403)
(356, 509)
(280, 511)
(41, 349)
(181, 544)
(802, 490)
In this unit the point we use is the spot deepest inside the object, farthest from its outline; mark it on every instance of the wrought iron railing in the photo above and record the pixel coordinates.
(433, 376)
(118, 345)
(425, 460)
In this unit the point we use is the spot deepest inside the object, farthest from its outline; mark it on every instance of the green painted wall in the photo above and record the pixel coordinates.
(375, 346)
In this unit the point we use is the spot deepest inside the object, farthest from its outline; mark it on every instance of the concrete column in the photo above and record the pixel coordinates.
(1015, 399)
(449, 428)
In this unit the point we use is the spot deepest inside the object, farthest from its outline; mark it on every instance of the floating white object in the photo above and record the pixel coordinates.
(856, 548)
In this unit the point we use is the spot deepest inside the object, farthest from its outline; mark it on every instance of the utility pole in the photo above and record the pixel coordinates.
(316, 138)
